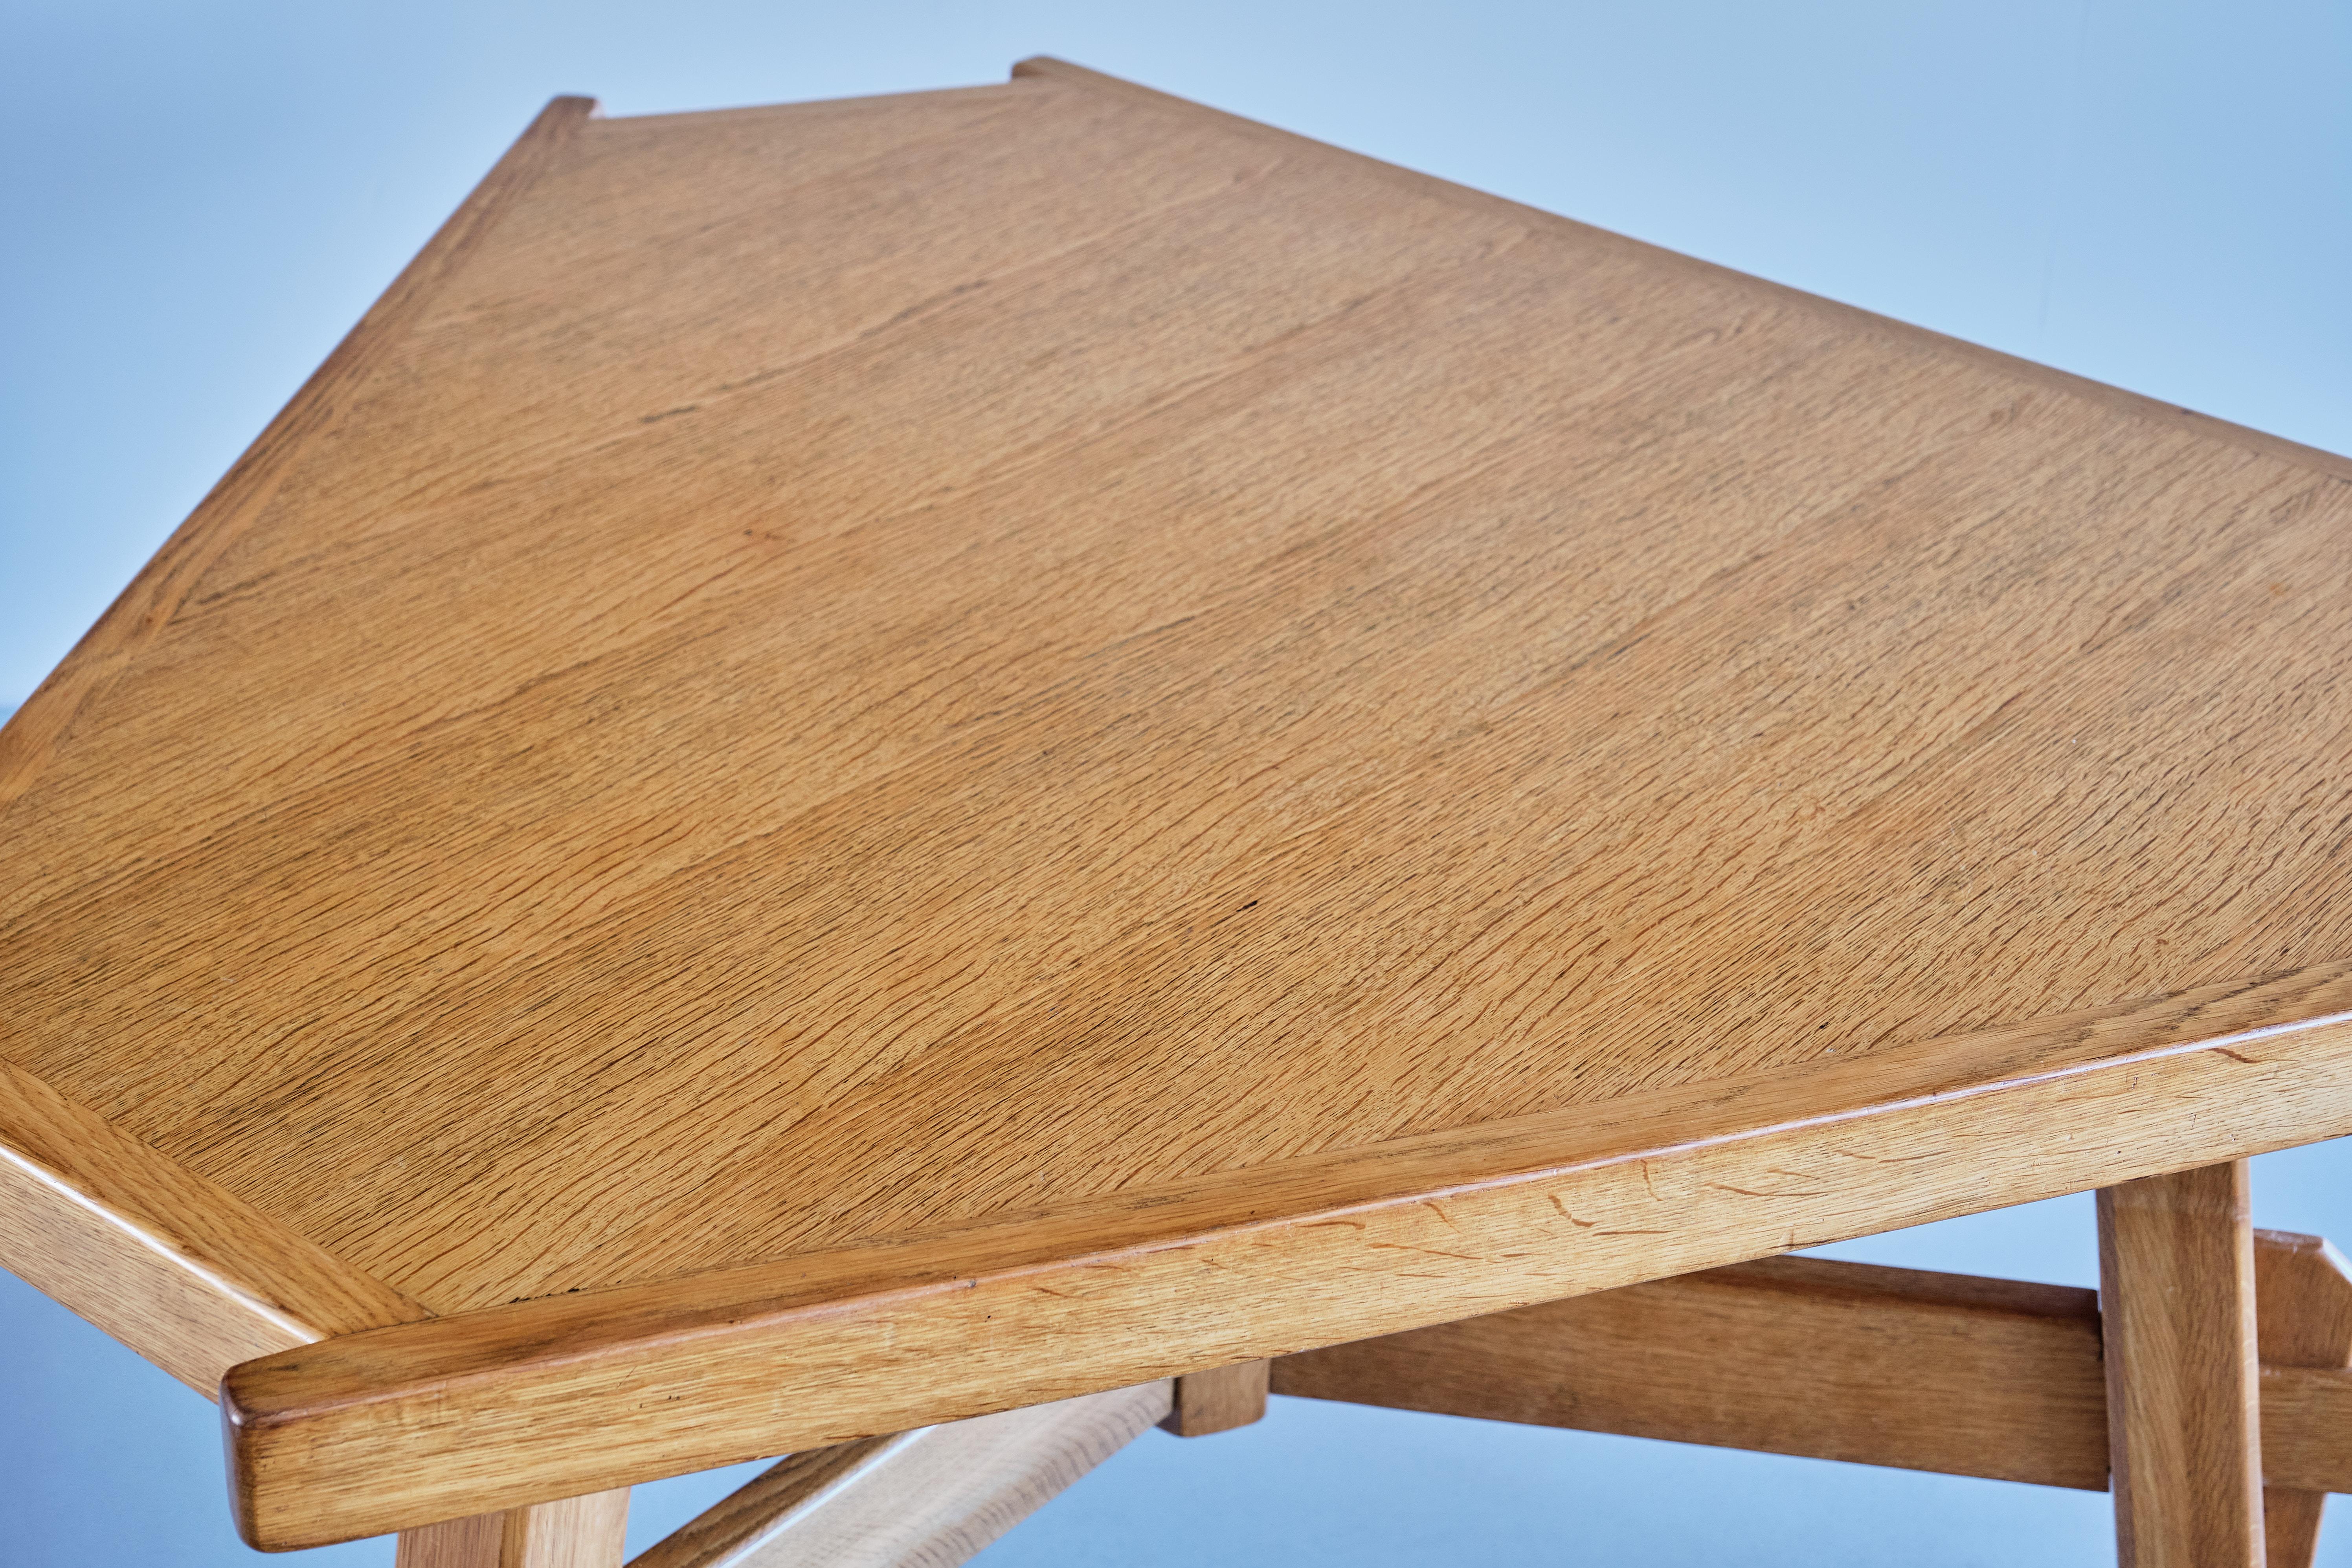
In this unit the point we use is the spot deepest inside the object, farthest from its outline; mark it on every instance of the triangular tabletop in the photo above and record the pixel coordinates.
(863, 761)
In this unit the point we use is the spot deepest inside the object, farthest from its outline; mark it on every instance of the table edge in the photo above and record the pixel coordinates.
(31, 735)
(493, 1408)
(2336, 465)
(176, 1267)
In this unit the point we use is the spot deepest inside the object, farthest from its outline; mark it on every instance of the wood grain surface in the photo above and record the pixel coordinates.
(571, 1533)
(478, 1541)
(580, 1392)
(158, 595)
(2302, 1313)
(2184, 1377)
(1037, 685)
(1218, 1400)
(1788, 1355)
(926, 1498)
(192, 1279)
(2307, 1428)
(744, 1519)
(1049, 69)
(1997, 1378)
(588, 1531)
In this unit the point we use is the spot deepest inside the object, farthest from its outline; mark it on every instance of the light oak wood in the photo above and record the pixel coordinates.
(876, 760)
(574, 1393)
(1996, 1378)
(1786, 1355)
(588, 1531)
(2184, 1380)
(2303, 1309)
(2307, 1428)
(745, 1518)
(571, 1533)
(169, 1263)
(160, 1258)
(144, 611)
(1049, 69)
(926, 1498)
(478, 1541)
(1218, 1400)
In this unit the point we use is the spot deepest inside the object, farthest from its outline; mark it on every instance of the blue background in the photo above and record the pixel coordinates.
(199, 199)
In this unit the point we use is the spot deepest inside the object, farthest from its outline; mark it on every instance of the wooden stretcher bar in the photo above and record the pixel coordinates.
(1968, 1376)
(1997, 1378)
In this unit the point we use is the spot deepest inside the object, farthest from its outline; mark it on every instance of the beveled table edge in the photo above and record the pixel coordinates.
(583, 1392)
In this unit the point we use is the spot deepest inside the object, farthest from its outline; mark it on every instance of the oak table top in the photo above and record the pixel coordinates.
(859, 762)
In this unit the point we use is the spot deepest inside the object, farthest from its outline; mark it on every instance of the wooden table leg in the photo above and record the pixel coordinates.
(2304, 1296)
(576, 1533)
(2177, 1301)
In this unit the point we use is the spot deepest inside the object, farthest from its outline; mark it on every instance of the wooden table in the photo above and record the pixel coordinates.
(864, 763)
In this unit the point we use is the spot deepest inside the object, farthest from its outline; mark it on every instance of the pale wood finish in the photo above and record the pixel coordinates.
(1786, 1355)
(926, 1499)
(146, 610)
(1840, 1361)
(745, 1518)
(183, 1272)
(2178, 1323)
(1218, 1400)
(874, 761)
(160, 1258)
(365, 1433)
(2303, 1309)
(2307, 1428)
(1048, 68)
(478, 1541)
(588, 1531)
(571, 1533)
